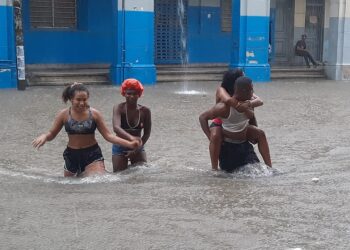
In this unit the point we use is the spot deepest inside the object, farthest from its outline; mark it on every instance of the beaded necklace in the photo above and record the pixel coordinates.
(127, 118)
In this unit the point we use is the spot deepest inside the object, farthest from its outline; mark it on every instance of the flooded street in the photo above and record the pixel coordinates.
(176, 202)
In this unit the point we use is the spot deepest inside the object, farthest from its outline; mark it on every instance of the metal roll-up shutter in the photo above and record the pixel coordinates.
(226, 15)
(53, 13)
(169, 31)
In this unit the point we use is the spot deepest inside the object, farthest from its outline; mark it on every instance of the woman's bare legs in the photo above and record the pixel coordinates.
(256, 135)
(120, 163)
(215, 146)
(68, 174)
(138, 157)
(94, 168)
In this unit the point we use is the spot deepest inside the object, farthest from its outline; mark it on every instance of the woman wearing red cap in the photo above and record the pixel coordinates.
(129, 119)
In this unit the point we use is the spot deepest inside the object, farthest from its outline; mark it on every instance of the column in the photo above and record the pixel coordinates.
(8, 75)
(134, 42)
(338, 30)
(250, 38)
(299, 19)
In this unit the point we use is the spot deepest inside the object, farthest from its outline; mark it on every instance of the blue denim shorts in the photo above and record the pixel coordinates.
(119, 150)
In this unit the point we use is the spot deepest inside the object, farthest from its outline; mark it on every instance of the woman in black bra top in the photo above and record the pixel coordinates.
(83, 156)
(130, 121)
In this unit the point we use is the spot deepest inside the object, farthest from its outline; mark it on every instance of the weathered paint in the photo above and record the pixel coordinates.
(250, 39)
(8, 72)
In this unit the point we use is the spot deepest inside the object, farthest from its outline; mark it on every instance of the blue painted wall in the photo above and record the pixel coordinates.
(91, 42)
(138, 36)
(8, 71)
(206, 42)
(253, 53)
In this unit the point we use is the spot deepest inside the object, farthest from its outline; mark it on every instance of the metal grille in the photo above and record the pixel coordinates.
(226, 15)
(168, 33)
(314, 22)
(53, 13)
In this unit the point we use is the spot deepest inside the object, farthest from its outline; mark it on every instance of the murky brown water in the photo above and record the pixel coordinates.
(176, 202)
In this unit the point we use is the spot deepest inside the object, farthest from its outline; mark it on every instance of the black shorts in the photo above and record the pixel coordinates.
(76, 160)
(235, 155)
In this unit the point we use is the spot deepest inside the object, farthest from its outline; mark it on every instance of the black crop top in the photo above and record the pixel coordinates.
(85, 127)
(124, 123)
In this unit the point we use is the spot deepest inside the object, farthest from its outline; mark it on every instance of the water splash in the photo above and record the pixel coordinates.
(181, 12)
(185, 91)
(183, 35)
(248, 171)
(255, 170)
(101, 178)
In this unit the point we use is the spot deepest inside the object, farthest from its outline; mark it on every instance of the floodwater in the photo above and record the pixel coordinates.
(175, 201)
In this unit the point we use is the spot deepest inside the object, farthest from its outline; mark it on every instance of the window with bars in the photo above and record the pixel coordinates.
(53, 14)
(226, 15)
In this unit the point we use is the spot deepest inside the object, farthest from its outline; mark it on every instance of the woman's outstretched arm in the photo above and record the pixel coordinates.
(52, 133)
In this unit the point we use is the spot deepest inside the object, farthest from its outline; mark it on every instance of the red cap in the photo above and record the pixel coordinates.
(133, 84)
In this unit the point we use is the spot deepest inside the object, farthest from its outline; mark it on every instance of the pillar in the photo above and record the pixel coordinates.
(250, 38)
(338, 30)
(134, 41)
(8, 74)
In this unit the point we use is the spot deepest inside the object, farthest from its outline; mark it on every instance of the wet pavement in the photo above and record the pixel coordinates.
(175, 201)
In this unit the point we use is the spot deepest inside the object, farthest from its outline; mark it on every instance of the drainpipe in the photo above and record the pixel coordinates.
(123, 41)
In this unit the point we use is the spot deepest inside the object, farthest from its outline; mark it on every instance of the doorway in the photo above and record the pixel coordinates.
(170, 30)
(282, 43)
(314, 22)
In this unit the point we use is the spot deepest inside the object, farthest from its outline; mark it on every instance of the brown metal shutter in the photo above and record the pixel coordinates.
(53, 13)
(226, 15)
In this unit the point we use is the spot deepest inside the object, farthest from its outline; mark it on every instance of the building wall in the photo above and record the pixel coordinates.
(8, 75)
(299, 19)
(251, 38)
(135, 42)
(91, 42)
(338, 25)
(206, 43)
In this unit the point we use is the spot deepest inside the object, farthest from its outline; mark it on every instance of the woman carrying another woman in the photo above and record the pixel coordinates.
(83, 156)
(224, 94)
(129, 121)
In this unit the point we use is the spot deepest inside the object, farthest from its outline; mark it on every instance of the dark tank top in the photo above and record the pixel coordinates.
(74, 127)
(124, 124)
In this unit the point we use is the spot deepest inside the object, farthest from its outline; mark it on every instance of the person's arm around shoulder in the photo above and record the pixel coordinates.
(219, 110)
(108, 135)
(246, 108)
(147, 126)
(52, 133)
(116, 120)
(255, 102)
(223, 96)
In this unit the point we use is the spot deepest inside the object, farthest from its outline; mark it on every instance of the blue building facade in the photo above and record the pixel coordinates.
(8, 68)
(133, 36)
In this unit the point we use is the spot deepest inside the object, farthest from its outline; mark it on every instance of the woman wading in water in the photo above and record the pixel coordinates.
(83, 156)
(130, 120)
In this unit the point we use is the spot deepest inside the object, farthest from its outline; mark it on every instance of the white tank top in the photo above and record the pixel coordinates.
(235, 122)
